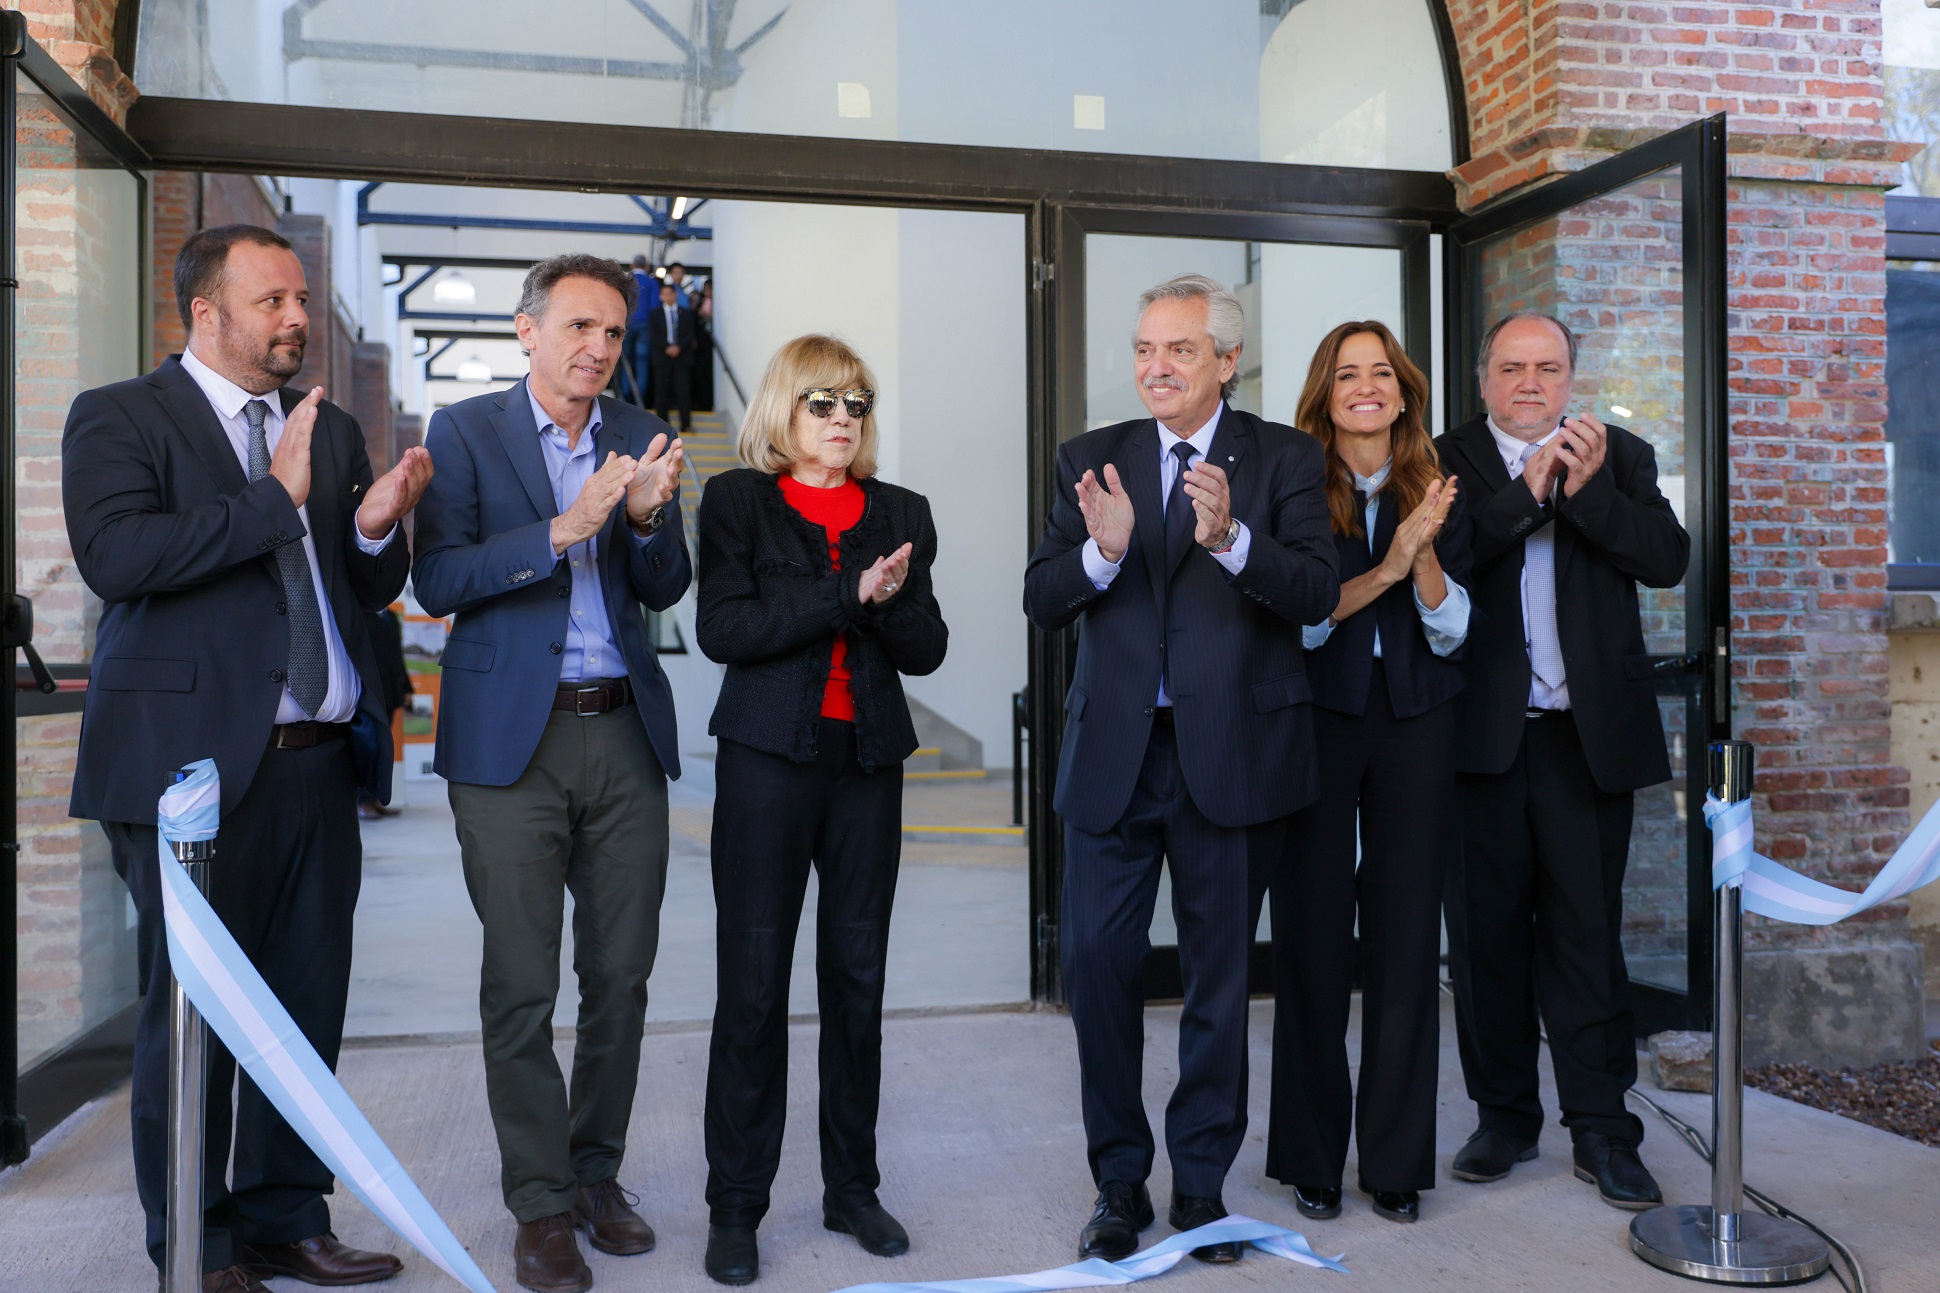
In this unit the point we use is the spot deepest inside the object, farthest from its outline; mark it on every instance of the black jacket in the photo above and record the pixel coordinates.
(1618, 531)
(1236, 679)
(770, 607)
(1418, 680)
(180, 546)
(658, 340)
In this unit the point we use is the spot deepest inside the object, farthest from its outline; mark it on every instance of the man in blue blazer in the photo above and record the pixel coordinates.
(1193, 545)
(551, 523)
(238, 543)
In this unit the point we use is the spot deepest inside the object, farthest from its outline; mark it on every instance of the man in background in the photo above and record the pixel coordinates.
(670, 341)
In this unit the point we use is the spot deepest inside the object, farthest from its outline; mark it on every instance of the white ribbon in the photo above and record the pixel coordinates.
(1781, 893)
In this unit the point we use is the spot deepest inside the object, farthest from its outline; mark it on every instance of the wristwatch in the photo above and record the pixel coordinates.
(1226, 543)
(655, 519)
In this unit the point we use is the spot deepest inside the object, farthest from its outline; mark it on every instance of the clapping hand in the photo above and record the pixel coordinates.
(1107, 511)
(290, 464)
(597, 499)
(655, 478)
(1417, 532)
(1212, 503)
(1580, 447)
(395, 493)
(881, 580)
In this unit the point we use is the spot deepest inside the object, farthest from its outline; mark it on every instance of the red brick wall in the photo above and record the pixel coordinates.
(80, 36)
(183, 202)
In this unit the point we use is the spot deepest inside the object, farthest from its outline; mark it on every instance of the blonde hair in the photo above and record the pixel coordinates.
(767, 439)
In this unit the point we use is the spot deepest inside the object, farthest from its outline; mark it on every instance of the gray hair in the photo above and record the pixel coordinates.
(1488, 339)
(1225, 317)
(547, 274)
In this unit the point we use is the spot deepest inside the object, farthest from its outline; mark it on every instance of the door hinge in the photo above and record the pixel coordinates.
(1042, 273)
(1721, 676)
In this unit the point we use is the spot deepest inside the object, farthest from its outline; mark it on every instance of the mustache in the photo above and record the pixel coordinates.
(1164, 384)
(295, 337)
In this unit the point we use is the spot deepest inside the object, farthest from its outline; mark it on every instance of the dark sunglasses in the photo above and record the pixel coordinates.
(821, 401)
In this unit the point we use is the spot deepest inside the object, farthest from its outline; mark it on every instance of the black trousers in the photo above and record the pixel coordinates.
(1110, 888)
(1535, 922)
(773, 819)
(673, 388)
(1393, 780)
(284, 879)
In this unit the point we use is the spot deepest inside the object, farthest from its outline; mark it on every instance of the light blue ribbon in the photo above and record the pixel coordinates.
(245, 1014)
(1156, 1260)
(1783, 894)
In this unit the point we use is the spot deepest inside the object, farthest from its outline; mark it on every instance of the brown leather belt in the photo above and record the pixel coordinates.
(306, 735)
(589, 698)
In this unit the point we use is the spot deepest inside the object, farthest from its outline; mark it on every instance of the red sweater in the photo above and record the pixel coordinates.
(835, 510)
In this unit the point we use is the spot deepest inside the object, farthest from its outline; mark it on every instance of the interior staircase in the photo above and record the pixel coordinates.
(710, 451)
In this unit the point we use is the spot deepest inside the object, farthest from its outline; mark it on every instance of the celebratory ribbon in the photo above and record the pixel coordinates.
(1156, 1260)
(1783, 894)
(242, 1011)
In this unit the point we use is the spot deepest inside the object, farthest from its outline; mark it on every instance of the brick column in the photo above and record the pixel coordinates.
(1554, 87)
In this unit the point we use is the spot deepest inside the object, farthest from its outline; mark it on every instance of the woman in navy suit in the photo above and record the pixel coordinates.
(1384, 668)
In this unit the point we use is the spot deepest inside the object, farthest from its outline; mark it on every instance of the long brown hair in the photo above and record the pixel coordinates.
(1416, 465)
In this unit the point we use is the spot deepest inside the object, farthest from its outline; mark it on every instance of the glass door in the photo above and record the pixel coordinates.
(1630, 254)
(1297, 277)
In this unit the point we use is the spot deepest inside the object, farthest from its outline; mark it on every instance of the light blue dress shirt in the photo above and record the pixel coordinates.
(591, 650)
(1446, 627)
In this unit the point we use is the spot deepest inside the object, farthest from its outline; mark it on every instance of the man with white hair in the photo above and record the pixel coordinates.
(1192, 544)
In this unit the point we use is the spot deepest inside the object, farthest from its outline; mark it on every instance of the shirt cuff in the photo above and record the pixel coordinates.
(1446, 627)
(1234, 558)
(372, 547)
(1312, 635)
(1097, 569)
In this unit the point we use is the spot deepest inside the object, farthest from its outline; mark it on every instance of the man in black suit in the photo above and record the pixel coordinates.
(1559, 728)
(233, 533)
(670, 344)
(1193, 545)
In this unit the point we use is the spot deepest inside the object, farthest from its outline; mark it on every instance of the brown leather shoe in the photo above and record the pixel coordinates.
(230, 1279)
(604, 1210)
(320, 1260)
(546, 1256)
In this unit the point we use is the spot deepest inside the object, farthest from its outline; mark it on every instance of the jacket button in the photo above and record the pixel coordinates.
(556, 648)
(1148, 711)
(565, 592)
(282, 608)
(276, 675)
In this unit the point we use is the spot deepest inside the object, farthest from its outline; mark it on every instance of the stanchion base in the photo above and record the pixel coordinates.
(1769, 1250)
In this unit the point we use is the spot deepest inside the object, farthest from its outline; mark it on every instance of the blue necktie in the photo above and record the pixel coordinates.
(308, 674)
(1181, 519)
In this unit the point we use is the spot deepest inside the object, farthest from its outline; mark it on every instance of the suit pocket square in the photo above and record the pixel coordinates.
(1278, 693)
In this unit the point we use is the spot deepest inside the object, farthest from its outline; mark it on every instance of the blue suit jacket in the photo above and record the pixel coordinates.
(484, 553)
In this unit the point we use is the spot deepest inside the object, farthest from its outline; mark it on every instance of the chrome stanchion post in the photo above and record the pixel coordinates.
(188, 1081)
(1723, 1243)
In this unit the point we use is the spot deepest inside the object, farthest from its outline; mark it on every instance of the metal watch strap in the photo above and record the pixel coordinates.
(1225, 544)
(655, 519)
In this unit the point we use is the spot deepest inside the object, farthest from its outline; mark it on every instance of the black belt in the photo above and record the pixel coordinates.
(306, 735)
(1546, 715)
(589, 698)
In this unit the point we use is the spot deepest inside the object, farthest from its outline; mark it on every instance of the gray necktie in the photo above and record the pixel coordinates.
(308, 675)
(1539, 598)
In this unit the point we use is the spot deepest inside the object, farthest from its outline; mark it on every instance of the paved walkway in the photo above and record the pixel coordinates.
(983, 1158)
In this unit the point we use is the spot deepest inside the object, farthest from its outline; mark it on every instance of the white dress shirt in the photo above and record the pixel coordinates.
(1446, 626)
(1102, 572)
(1541, 694)
(227, 399)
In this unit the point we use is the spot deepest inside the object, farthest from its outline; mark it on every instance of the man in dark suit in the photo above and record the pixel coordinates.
(670, 345)
(1559, 727)
(237, 542)
(1192, 545)
(551, 523)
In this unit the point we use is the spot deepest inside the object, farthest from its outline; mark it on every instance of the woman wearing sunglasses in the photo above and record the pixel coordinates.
(1384, 669)
(815, 593)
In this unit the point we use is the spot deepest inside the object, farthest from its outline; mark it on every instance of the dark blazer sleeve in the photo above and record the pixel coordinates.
(1291, 566)
(1056, 587)
(1502, 523)
(737, 620)
(1622, 513)
(126, 542)
(659, 569)
(1453, 548)
(910, 625)
(457, 568)
(375, 581)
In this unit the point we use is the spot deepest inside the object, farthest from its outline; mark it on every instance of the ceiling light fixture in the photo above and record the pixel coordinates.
(680, 207)
(456, 288)
(474, 370)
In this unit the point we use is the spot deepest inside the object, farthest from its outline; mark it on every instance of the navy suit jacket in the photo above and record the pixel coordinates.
(1237, 679)
(170, 533)
(484, 536)
(1342, 667)
(657, 340)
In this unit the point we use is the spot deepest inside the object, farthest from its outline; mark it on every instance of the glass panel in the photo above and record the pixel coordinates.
(1241, 79)
(1612, 268)
(77, 325)
(1913, 415)
(1911, 50)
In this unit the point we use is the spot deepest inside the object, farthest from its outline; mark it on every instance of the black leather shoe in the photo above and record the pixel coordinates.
(1396, 1205)
(870, 1223)
(1317, 1202)
(1616, 1171)
(1189, 1213)
(1489, 1155)
(1122, 1211)
(732, 1257)
(320, 1260)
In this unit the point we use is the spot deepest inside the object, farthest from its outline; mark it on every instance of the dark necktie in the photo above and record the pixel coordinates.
(308, 675)
(1180, 517)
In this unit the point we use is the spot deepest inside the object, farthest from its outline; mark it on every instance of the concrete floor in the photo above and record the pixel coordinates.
(983, 1158)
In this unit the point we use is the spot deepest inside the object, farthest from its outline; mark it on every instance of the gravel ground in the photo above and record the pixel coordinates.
(1901, 1098)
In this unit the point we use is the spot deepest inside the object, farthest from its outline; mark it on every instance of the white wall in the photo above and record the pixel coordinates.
(1355, 83)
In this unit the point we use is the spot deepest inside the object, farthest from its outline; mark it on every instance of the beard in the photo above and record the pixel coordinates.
(265, 366)
(281, 365)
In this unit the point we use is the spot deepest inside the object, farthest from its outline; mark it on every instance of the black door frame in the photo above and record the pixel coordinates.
(1702, 672)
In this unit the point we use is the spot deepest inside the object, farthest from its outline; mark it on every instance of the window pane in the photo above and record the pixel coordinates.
(1913, 415)
(77, 325)
(1237, 79)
